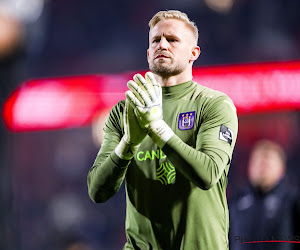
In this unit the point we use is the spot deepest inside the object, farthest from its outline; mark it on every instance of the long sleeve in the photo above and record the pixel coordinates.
(165, 208)
(205, 164)
(108, 171)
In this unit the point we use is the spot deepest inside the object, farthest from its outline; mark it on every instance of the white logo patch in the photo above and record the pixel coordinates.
(226, 134)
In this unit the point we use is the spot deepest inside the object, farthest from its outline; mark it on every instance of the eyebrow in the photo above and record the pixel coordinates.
(166, 36)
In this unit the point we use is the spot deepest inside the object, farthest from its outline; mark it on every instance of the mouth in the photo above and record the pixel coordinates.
(160, 56)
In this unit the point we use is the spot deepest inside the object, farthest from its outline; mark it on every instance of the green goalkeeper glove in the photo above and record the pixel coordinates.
(146, 99)
(133, 134)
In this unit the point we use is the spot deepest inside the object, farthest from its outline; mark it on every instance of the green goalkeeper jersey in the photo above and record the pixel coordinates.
(176, 196)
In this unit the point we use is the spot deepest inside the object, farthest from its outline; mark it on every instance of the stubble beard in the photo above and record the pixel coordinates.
(165, 70)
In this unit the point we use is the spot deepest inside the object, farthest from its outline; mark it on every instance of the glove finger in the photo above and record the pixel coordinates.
(139, 79)
(147, 85)
(132, 86)
(134, 102)
(139, 93)
(156, 86)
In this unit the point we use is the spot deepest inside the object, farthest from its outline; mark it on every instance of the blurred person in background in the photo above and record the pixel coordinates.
(17, 18)
(10, 36)
(19, 35)
(269, 208)
(11, 33)
(176, 166)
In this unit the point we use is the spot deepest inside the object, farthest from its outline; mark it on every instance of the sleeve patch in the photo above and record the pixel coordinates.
(226, 134)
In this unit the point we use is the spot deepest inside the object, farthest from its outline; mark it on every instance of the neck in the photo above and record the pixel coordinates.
(174, 80)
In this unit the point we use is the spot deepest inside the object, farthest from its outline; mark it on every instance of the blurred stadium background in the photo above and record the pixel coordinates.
(43, 195)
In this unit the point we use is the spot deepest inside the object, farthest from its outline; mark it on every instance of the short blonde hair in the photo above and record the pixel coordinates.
(174, 14)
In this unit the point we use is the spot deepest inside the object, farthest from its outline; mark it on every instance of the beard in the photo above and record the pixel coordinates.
(165, 70)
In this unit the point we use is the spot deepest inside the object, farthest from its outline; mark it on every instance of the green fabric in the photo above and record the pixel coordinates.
(176, 196)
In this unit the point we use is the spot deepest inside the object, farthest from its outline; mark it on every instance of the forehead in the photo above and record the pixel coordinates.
(170, 27)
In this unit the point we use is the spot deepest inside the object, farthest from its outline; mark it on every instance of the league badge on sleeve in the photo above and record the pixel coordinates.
(186, 120)
(226, 134)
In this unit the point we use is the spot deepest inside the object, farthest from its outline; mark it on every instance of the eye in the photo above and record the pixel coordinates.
(156, 40)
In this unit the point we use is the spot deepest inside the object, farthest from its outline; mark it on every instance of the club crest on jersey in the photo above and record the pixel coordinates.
(186, 120)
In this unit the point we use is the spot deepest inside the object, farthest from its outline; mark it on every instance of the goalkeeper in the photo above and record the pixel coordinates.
(172, 141)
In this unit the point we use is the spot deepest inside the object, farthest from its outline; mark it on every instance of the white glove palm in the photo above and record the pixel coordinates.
(146, 99)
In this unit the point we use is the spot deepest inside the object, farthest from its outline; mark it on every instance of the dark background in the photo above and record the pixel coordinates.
(44, 199)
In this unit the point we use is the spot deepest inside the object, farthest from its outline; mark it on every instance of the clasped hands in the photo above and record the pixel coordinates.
(143, 115)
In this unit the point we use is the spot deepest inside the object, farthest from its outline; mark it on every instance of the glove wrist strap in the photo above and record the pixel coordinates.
(160, 132)
(126, 150)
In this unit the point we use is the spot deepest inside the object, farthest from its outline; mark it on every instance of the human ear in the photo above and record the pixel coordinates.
(148, 55)
(195, 53)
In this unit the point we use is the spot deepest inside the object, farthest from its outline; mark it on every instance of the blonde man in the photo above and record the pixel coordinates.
(172, 141)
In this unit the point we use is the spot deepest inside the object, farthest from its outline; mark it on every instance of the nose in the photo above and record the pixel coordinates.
(163, 43)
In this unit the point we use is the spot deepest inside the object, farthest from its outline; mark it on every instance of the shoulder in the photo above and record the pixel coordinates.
(288, 189)
(211, 96)
(114, 120)
(215, 104)
(119, 107)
